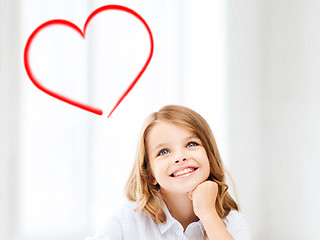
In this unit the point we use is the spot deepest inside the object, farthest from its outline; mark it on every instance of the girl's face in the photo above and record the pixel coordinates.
(177, 157)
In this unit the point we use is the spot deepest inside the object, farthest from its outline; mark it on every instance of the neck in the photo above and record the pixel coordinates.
(180, 207)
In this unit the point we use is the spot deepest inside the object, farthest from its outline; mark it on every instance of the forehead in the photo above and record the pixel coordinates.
(164, 131)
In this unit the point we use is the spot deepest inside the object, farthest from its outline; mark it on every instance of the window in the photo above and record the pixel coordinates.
(74, 164)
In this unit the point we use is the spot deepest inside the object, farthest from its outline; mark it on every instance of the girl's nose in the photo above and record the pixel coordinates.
(178, 160)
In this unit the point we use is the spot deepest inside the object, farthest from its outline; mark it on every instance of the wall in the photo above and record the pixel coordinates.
(9, 115)
(274, 104)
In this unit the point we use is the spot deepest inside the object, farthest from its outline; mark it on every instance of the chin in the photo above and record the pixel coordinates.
(189, 187)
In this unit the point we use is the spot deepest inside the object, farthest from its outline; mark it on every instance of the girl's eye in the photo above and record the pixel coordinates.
(192, 144)
(163, 152)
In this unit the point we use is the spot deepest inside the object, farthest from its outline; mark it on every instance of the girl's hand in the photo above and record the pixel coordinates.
(203, 198)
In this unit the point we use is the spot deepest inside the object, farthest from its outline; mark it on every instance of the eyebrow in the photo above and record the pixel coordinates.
(161, 145)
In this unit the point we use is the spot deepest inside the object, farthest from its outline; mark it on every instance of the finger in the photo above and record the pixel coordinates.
(197, 186)
(190, 195)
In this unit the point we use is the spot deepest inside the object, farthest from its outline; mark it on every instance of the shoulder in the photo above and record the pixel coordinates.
(238, 225)
(127, 214)
(234, 217)
(125, 224)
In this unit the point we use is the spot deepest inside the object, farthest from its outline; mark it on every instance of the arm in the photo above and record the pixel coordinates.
(215, 227)
(203, 198)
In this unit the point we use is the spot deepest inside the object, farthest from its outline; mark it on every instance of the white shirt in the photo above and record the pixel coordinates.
(128, 224)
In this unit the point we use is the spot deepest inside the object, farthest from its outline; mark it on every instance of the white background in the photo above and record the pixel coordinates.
(251, 68)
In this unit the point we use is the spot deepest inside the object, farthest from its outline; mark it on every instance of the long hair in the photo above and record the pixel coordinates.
(139, 187)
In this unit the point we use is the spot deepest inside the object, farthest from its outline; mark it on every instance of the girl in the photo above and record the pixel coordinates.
(177, 186)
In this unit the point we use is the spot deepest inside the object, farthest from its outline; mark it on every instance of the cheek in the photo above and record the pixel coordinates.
(156, 169)
(205, 171)
(202, 157)
(160, 171)
(208, 169)
(206, 164)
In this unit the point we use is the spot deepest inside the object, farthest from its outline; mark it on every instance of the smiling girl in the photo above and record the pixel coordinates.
(177, 187)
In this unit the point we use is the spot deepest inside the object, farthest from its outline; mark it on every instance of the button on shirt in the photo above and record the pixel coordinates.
(128, 224)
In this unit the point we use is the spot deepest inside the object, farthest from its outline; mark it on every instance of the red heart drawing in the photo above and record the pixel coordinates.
(82, 33)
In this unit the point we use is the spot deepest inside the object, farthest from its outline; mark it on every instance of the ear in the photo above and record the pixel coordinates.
(152, 180)
(155, 182)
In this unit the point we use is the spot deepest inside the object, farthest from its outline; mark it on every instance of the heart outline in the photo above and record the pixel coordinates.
(83, 34)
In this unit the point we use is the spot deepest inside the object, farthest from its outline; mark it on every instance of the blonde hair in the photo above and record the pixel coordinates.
(139, 187)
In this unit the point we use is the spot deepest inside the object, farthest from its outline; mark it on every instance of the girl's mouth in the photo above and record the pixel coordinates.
(183, 172)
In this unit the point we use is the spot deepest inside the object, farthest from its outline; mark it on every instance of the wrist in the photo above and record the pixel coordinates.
(209, 216)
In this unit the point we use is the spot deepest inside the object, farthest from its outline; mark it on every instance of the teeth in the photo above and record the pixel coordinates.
(184, 171)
